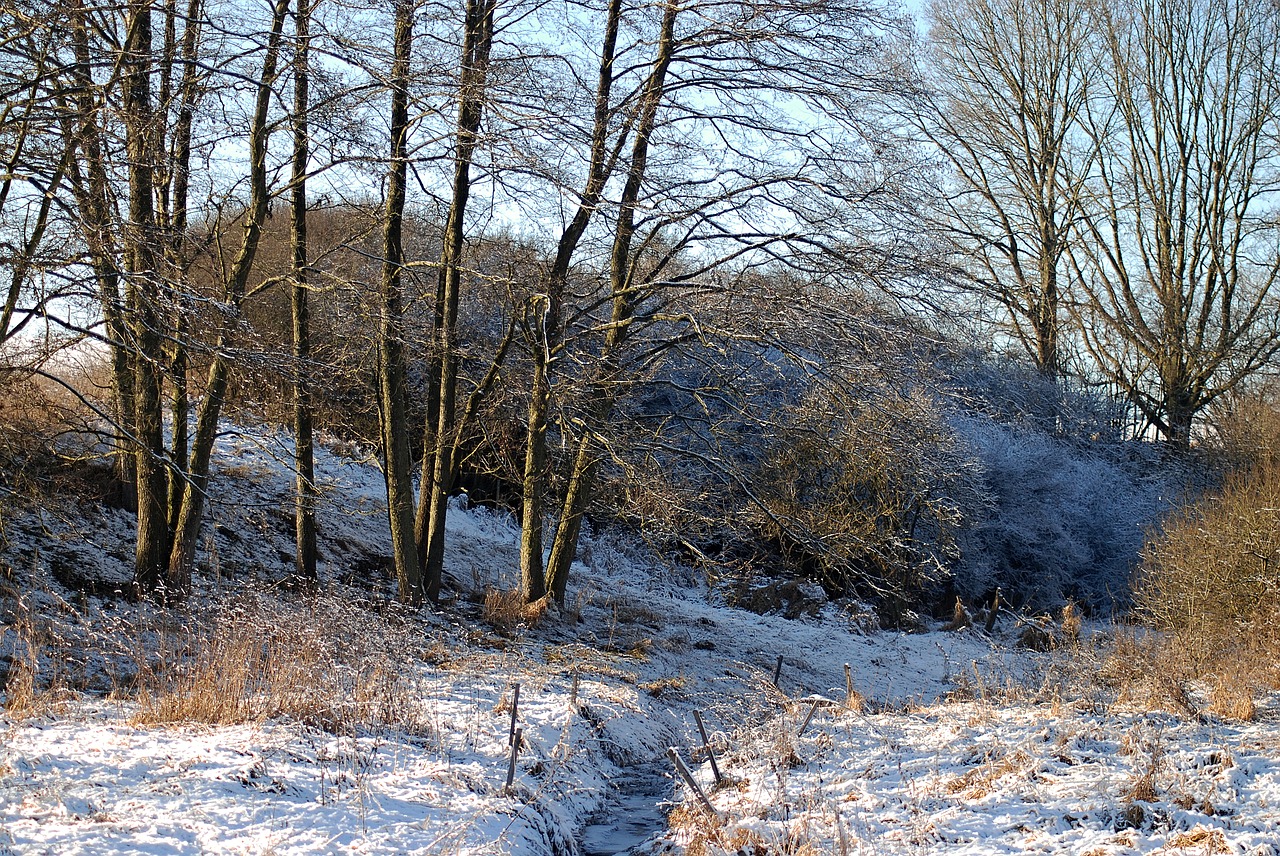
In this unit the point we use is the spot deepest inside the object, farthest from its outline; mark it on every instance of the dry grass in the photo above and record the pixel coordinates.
(35, 683)
(1203, 840)
(1210, 582)
(507, 610)
(982, 780)
(664, 687)
(1144, 672)
(24, 694)
(700, 834)
(324, 663)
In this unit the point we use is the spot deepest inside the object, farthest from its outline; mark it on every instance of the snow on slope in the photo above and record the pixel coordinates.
(911, 774)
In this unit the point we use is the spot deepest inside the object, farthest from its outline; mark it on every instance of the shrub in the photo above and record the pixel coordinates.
(1064, 519)
(1211, 578)
(863, 497)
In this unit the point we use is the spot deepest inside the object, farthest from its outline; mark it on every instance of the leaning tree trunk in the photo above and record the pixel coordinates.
(545, 316)
(191, 514)
(175, 198)
(475, 64)
(602, 396)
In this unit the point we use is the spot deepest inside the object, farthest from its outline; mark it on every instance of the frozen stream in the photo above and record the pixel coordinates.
(634, 812)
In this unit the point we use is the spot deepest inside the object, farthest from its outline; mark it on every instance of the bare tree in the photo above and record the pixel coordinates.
(303, 411)
(191, 515)
(392, 390)
(545, 322)
(1177, 254)
(436, 484)
(1007, 82)
(780, 186)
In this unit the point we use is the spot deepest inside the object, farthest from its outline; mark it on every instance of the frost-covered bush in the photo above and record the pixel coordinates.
(866, 497)
(1063, 519)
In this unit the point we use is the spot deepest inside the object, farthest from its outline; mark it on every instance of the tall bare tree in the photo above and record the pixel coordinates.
(1007, 82)
(1178, 252)
(780, 186)
(392, 382)
(435, 486)
(305, 493)
(545, 315)
(190, 517)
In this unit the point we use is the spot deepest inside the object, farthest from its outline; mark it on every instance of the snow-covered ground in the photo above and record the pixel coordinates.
(956, 742)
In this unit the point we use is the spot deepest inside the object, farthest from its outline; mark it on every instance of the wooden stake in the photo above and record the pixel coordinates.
(706, 744)
(809, 717)
(515, 753)
(848, 686)
(515, 706)
(777, 671)
(573, 691)
(691, 782)
(995, 610)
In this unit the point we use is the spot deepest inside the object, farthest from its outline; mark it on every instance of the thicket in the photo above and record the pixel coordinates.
(1210, 575)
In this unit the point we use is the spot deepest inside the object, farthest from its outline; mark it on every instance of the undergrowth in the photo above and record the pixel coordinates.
(325, 662)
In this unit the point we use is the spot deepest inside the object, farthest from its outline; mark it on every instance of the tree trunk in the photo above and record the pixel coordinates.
(532, 576)
(603, 393)
(175, 199)
(545, 317)
(143, 305)
(191, 515)
(475, 64)
(304, 444)
(392, 392)
(92, 199)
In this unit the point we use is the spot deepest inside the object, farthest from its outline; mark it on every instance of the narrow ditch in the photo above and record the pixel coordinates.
(635, 810)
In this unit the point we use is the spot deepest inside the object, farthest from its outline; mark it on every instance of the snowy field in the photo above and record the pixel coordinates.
(953, 742)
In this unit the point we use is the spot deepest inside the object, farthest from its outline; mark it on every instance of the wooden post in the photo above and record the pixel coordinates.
(515, 753)
(691, 782)
(573, 690)
(777, 671)
(515, 706)
(706, 744)
(995, 610)
(808, 717)
(848, 686)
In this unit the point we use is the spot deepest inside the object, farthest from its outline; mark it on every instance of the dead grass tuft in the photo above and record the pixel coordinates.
(1071, 623)
(1231, 694)
(982, 780)
(507, 610)
(1143, 788)
(664, 687)
(324, 663)
(1204, 840)
(960, 618)
(33, 685)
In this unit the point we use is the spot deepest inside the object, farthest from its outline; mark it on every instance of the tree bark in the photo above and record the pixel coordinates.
(392, 392)
(143, 306)
(544, 316)
(191, 515)
(304, 444)
(475, 65)
(603, 393)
